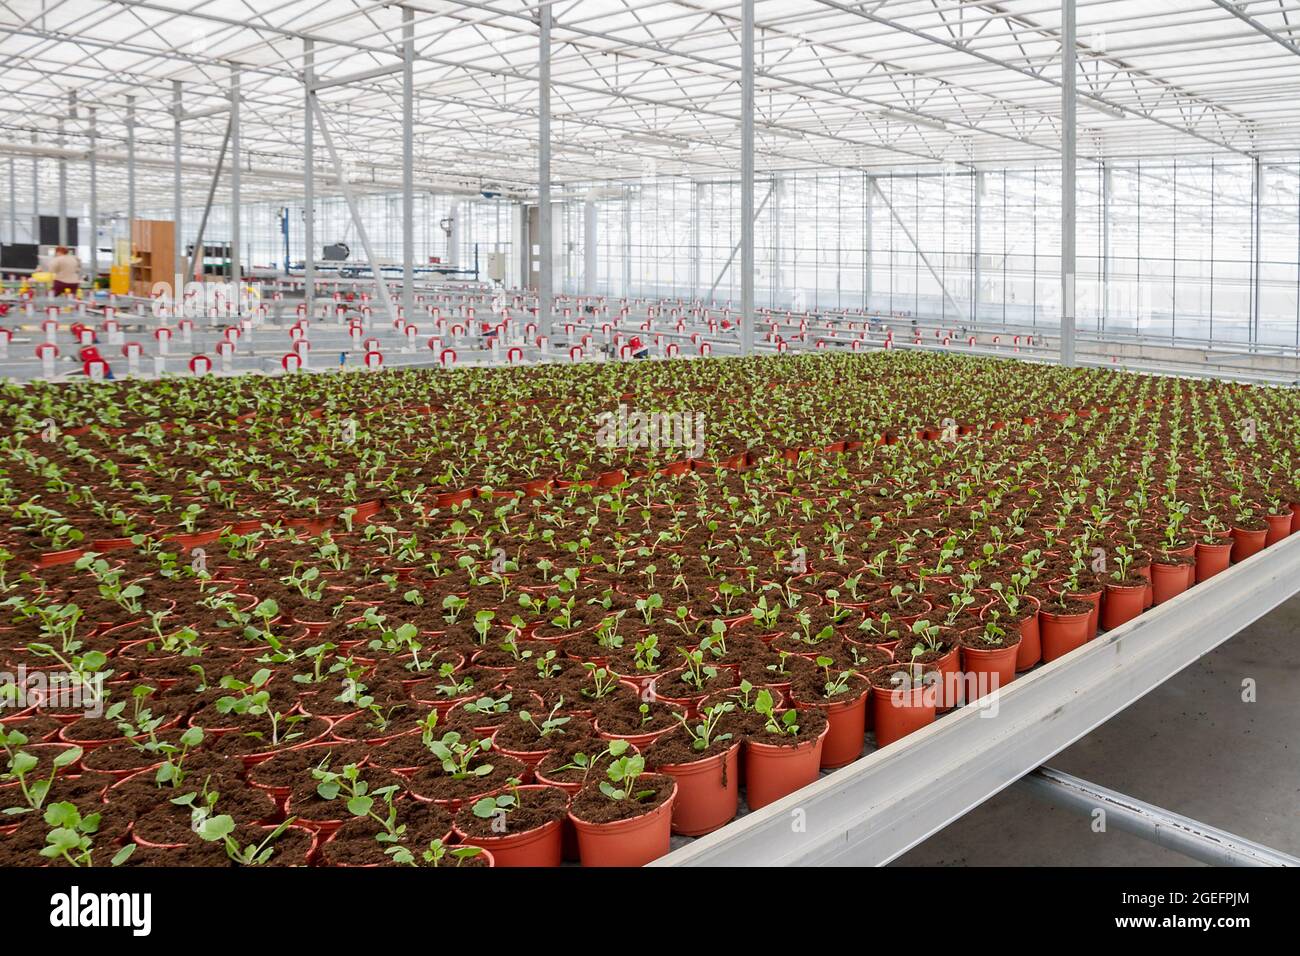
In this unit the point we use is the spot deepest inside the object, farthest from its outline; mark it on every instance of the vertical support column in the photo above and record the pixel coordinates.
(777, 290)
(408, 163)
(455, 210)
(236, 280)
(869, 216)
(13, 204)
(177, 113)
(589, 258)
(36, 197)
(1068, 148)
(977, 279)
(94, 208)
(627, 242)
(63, 184)
(308, 178)
(130, 162)
(697, 200)
(1257, 198)
(544, 170)
(747, 177)
(1106, 187)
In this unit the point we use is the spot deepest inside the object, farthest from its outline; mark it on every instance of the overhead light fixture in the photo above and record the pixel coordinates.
(651, 139)
(934, 124)
(778, 131)
(1101, 108)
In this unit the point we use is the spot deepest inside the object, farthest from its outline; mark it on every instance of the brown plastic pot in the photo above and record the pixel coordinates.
(541, 846)
(1170, 580)
(708, 792)
(997, 664)
(1279, 527)
(1247, 542)
(846, 728)
(900, 711)
(1212, 559)
(772, 772)
(632, 842)
(1063, 633)
(1123, 603)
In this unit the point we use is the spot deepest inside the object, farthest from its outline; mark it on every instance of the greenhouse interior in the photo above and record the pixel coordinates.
(649, 433)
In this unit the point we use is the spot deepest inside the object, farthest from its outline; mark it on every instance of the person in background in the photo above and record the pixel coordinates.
(66, 269)
(639, 349)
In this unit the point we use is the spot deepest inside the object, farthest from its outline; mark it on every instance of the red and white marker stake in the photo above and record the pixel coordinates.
(47, 352)
(225, 352)
(95, 369)
(291, 362)
(447, 358)
(132, 351)
(514, 355)
(374, 359)
(163, 336)
(200, 365)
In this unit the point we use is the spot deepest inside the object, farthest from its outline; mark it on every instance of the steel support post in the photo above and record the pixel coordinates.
(747, 177)
(308, 178)
(408, 163)
(36, 197)
(1069, 134)
(63, 190)
(94, 207)
(13, 204)
(236, 278)
(178, 110)
(589, 248)
(544, 170)
(977, 278)
(130, 161)
(1256, 200)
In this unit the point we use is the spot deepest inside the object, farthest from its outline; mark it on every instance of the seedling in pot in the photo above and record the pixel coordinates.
(457, 755)
(21, 764)
(438, 854)
(623, 773)
(780, 723)
(833, 686)
(360, 799)
(704, 733)
(551, 724)
(71, 837)
(694, 672)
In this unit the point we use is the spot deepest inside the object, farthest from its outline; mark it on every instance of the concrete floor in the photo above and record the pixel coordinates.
(1191, 746)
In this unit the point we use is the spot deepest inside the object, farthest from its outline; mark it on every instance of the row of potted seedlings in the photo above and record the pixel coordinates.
(574, 664)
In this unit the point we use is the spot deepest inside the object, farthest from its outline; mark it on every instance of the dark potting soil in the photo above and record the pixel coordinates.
(432, 783)
(366, 726)
(624, 717)
(591, 746)
(306, 802)
(674, 688)
(292, 733)
(811, 723)
(592, 806)
(467, 682)
(286, 769)
(1071, 606)
(536, 808)
(519, 734)
(810, 688)
(354, 843)
(676, 748)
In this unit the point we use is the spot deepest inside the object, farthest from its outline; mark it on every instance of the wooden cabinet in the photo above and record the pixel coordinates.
(153, 244)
